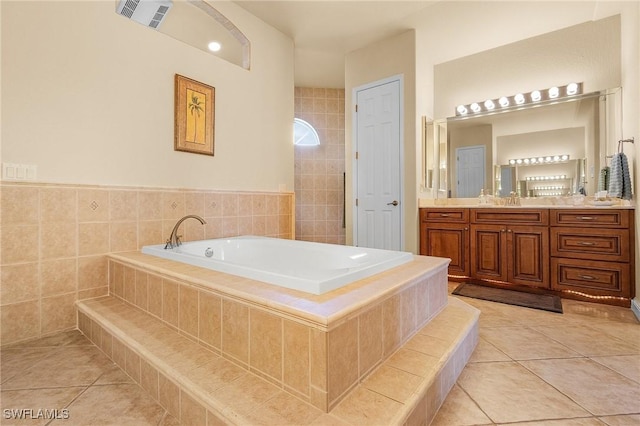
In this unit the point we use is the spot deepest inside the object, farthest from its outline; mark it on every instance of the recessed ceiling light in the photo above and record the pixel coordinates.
(214, 46)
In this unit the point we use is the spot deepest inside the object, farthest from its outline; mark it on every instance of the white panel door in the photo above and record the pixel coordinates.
(378, 188)
(470, 163)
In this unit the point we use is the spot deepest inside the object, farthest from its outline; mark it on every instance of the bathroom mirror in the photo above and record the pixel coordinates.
(194, 22)
(554, 149)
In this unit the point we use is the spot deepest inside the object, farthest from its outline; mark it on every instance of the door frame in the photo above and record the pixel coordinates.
(354, 148)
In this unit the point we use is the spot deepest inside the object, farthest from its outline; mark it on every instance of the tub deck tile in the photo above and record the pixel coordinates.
(408, 387)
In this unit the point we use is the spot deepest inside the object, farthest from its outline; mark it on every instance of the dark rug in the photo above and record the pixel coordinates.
(546, 302)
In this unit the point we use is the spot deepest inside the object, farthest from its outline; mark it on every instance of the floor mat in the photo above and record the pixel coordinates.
(545, 302)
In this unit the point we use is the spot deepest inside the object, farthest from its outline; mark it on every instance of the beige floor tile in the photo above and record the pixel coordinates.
(587, 340)
(391, 382)
(413, 362)
(113, 375)
(458, 409)
(632, 420)
(284, 409)
(328, 420)
(15, 362)
(583, 421)
(507, 392)
(486, 352)
(27, 399)
(65, 338)
(627, 365)
(65, 366)
(525, 343)
(364, 407)
(121, 404)
(595, 387)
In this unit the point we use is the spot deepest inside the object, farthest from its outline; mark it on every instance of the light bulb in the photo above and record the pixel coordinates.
(214, 46)
(554, 92)
(536, 95)
(488, 104)
(572, 88)
(504, 102)
(462, 110)
(475, 107)
(564, 157)
(519, 98)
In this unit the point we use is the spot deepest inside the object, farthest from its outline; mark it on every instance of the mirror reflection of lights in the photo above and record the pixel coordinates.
(540, 160)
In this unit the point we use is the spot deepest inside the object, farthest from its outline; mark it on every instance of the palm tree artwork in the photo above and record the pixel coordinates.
(196, 108)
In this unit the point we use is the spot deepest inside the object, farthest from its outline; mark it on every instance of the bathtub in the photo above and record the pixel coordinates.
(310, 267)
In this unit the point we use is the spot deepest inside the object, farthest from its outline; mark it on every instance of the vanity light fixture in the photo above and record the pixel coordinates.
(540, 160)
(509, 102)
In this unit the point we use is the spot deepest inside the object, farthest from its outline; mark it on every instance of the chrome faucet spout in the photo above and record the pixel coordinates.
(174, 238)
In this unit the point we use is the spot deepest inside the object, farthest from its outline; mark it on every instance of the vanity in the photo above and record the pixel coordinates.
(580, 252)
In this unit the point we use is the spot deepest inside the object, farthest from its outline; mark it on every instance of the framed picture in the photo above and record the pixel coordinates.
(194, 116)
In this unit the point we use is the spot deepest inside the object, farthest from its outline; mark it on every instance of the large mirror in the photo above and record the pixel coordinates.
(194, 22)
(552, 149)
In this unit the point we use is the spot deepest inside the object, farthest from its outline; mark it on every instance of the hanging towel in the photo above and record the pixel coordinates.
(603, 181)
(620, 180)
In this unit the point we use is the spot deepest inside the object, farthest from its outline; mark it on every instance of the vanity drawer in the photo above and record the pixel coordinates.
(591, 218)
(444, 215)
(511, 216)
(591, 277)
(596, 244)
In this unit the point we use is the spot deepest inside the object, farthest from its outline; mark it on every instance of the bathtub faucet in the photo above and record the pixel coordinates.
(174, 239)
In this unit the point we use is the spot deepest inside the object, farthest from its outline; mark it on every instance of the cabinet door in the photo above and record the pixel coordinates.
(528, 255)
(489, 251)
(447, 240)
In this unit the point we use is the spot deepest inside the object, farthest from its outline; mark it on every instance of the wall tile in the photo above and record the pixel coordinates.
(296, 355)
(58, 225)
(408, 312)
(19, 244)
(191, 412)
(129, 285)
(123, 236)
(132, 364)
(188, 312)
(149, 205)
(123, 205)
(58, 239)
(20, 206)
(20, 321)
(391, 323)
(170, 302)
(20, 282)
(58, 313)
(169, 395)
(142, 295)
(92, 272)
(265, 345)
(235, 330)
(155, 294)
(58, 204)
(370, 339)
(149, 378)
(93, 205)
(229, 205)
(342, 358)
(210, 318)
(93, 238)
(58, 276)
(118, 353)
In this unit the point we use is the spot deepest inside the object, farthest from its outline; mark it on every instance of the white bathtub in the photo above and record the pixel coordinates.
(311, 267)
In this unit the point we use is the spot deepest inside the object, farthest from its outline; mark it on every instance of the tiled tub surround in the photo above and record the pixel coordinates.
(317, 348)
(55, 239)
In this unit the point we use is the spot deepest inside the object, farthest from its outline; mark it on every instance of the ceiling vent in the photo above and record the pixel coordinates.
(150, 13)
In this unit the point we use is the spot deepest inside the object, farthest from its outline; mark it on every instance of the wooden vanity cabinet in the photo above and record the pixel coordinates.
(593, 252)
(510, 246)
(587, 254)
(445, 233)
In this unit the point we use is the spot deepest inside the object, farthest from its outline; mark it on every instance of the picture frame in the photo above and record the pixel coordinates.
(194, 116)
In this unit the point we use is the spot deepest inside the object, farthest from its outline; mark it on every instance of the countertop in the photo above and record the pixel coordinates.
(525, 203)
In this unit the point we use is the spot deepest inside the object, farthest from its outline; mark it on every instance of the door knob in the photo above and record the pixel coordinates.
(393, 203)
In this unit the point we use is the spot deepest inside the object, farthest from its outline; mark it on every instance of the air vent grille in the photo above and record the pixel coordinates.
(129, 7)
(157, 18)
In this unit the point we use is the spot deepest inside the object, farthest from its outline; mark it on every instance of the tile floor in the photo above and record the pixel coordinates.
(530, 367)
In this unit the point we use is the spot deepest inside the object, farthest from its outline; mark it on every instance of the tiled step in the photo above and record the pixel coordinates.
(200, 387)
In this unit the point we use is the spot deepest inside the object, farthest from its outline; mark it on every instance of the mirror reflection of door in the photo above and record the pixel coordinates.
(470, 171)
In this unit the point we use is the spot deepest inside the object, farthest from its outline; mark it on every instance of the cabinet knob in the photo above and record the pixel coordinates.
(509, 230)
(503, 230)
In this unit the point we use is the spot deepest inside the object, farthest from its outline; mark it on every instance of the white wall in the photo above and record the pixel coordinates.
(88, 97)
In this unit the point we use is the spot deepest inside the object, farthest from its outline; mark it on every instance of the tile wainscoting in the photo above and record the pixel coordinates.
(55, 237)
